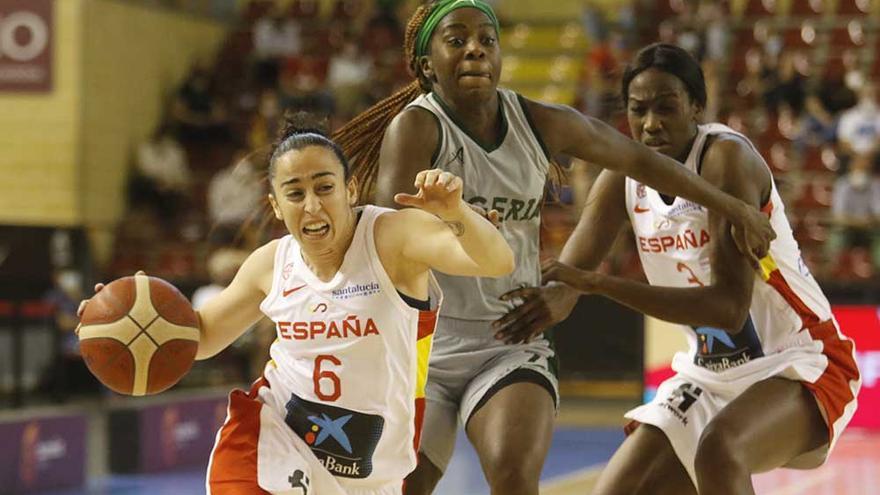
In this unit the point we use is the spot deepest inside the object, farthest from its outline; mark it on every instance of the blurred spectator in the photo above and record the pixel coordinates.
(689, 29)
(859, 130)
(825, 99)
(223, 264)
(161, 178)
(769, 40)
(717, 32)
(854, 77)
(785, 87)
(594, 22)
(264, 125)
(856, 208)
(195, 111)
(717, 38)
(600, 77)
(303, 88)
(276, 38)
(349, 71)
(69, 374)
(236, 195)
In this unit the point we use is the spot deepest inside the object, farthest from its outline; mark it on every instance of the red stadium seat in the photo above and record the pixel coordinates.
(802, 36)
(779, 158)
(821, 160)
(760, 8)
(853, 7)
(176, 261)
(816, 193)
(854, 264)
(806, 7)
(303, 9)
(256, 9)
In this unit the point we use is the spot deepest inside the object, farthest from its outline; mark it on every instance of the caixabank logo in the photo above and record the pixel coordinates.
(720, 351)
(343, 440)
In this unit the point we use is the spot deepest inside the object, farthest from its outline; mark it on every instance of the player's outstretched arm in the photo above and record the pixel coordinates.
(440, 231)
(228, 315)
(722, 302)
(565, 130)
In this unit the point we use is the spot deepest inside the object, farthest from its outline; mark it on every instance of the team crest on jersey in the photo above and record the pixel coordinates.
(286, 271)
(640, 191)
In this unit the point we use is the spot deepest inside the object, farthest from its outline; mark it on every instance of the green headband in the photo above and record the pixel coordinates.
(440, 11)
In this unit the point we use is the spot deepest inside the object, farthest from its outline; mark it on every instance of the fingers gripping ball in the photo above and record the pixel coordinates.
(139, 335)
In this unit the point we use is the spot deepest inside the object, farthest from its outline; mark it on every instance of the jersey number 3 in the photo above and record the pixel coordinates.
(325, 376)
(693, 279)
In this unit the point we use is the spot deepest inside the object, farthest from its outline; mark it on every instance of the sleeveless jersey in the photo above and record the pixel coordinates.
(510, 178)
(350, 360)
(674, 245)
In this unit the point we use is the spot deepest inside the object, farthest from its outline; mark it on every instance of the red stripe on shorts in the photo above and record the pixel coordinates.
(832, 389)
(234, 459)
(420, 418)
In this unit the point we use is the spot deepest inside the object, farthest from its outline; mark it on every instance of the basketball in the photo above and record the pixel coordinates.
(139, 335)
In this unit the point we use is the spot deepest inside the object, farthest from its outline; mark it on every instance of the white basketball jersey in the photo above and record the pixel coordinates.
(508, 176)
(350, 360)
(674, 244)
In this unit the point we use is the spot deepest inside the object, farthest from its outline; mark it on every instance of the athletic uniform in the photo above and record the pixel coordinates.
(468, 364)
(339, 407)
(790, 331)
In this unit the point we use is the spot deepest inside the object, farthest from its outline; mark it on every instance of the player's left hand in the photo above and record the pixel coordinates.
(579, 280)
(753, 235)
(439, 193)
(541, 308)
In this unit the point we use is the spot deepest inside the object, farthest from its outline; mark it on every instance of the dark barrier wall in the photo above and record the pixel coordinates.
(42, 453)
(601, 340)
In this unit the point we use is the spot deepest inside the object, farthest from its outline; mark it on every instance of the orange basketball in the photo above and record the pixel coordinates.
(139, 335)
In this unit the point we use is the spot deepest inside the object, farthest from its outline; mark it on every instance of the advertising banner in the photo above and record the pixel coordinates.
(180, 434)
(26, 46)
(42, 453)
(862, 325)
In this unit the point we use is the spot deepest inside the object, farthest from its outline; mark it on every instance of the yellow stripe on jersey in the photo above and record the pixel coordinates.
(423, 353)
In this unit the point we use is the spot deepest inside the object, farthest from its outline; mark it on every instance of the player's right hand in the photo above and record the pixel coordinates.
(84, 302)
(541, 308)
(98, 287)
(439, 193)
(753, 234)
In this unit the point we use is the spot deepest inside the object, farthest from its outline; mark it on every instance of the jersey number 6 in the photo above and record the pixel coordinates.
(318, 375)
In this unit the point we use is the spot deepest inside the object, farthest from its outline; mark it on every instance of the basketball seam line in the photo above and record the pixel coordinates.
(148, 333)
(143, 331)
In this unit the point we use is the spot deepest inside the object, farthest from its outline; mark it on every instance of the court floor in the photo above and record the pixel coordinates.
(576, 457)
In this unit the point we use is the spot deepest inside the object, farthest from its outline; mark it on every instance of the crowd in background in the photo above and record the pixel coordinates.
(197, 197)
(801, 86)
